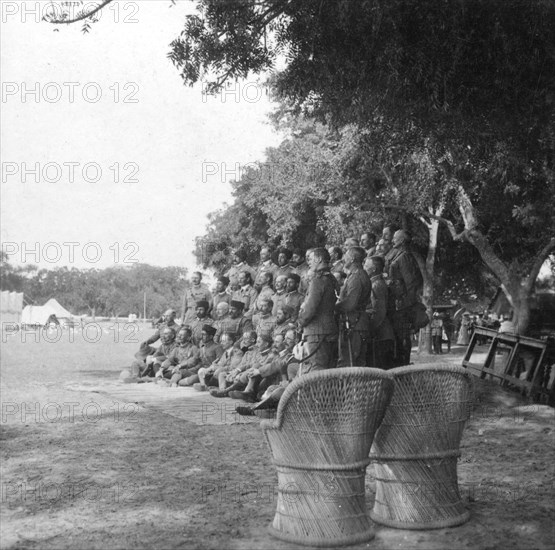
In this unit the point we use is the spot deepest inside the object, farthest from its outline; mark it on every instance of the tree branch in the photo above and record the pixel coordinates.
(82, 16)
(538, 262)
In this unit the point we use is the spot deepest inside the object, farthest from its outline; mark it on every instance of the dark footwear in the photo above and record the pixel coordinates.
(218, 393)
(245, 410)
(247, 396)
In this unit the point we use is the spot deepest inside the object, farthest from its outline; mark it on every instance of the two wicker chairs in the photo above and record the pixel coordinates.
(327, 422)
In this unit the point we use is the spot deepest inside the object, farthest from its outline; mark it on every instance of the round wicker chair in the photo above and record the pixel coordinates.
(320, 442)
(416, 448)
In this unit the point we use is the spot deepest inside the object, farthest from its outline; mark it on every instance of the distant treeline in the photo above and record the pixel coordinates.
(114, 291)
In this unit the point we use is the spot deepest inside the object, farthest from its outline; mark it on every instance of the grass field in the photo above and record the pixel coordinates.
(82, 469)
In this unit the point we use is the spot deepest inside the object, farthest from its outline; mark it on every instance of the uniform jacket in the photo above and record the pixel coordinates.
(229, 360)
(354, 297)
(404, 278)
(294, 300)
(233, 273)
(265, 267)
(247, 295)
(186, 356)
(264, 325)
(236, 327)
(209, 353)
(380, 325)
(193, 295)
(317, 315)
(196, 327)
(302, 271)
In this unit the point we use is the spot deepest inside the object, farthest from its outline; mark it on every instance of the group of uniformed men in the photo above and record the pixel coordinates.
(349, 306)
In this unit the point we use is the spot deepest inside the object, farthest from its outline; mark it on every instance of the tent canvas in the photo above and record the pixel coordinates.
(38, 315)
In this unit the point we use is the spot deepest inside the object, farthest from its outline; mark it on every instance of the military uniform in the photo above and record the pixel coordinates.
(246, 294)
(380, 345)
(266, 293)
(233, 274)
(235, 327)
(265, 267)
(160, 355)
(294, 300)
(217, 298)
(279, 301)
(404, 284)
(186, 357)
(303, 272)
(264, 325)
(193, 295)
(353, 299)
(196, 328)
(317, 319)
(229, 360)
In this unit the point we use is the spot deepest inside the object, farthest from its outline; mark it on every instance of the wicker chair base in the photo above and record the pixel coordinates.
(451, 522)
(359, 538)
(418, 494)
(322, 507)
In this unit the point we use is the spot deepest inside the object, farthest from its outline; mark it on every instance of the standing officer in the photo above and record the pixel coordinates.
(405, 283)
(317, 315)
(380, 345)
(353, 299)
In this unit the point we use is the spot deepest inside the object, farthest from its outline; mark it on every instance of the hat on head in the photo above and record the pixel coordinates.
(223, 280)
(209, 329)
(203, 303)
(295, 277)
(237, 304)
(241, 254)
(169, 311)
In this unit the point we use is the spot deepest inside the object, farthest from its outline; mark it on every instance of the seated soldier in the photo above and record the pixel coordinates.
(155, 360)
(236, 324)
(263, 322)
(255, 352)
(293, 298)
(183, 360)
(209, 353)
(228, 360)
(245, 293)
(220, 295)
(200, 320)
(278, 297)
(132, 373)
(272, 380)
(265, 292)
(283, 265)
(283, 322)
(266, 370)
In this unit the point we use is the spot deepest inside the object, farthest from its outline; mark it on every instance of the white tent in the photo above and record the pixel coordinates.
(39, 315)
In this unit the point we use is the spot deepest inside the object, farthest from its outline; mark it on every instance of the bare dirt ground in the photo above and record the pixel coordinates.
(86, 465)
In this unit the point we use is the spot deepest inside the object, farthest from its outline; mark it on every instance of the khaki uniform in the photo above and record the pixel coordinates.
(317, 318)
(233, 274)
(246, 294)
(353, 299)
(264, 325)
(265, 267)
(193, 295)
(196, 328)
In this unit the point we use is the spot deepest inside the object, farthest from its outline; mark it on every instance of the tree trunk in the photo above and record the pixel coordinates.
(518, 288)
(427, 268)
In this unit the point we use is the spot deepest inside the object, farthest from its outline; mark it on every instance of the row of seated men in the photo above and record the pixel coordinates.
(354, 320)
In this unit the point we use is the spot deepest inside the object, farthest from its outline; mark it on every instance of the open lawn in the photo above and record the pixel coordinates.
(90, 463)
